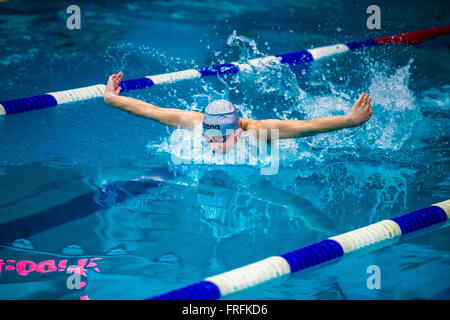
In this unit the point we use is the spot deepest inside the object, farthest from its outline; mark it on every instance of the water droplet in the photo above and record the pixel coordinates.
(22, 243)
(73, 250)
(118, 251)
(168, 258)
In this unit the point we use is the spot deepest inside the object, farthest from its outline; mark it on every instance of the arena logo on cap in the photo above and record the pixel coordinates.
(211, 126)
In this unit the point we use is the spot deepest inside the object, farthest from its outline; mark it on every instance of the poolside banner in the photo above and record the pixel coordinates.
(294, 58)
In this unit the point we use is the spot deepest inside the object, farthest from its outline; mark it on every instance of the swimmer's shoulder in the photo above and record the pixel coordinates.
(249, 124)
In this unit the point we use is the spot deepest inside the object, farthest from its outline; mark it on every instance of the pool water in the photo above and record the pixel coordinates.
(84, 181)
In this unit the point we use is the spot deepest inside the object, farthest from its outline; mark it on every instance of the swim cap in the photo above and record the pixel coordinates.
(221, 115)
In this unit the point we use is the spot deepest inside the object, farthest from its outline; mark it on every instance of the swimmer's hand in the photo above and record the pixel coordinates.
(361, 111)
(112, 87)
(168, 116)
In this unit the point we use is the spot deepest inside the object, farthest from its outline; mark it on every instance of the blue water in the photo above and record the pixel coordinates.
(84, 180)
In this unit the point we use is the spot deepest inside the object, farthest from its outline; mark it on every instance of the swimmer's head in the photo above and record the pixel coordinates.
(221, 125)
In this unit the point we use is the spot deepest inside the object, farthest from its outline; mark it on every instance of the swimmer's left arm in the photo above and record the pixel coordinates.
(172, 117)
(361, 112)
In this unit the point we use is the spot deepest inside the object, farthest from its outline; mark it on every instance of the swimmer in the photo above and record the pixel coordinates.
(222, 125)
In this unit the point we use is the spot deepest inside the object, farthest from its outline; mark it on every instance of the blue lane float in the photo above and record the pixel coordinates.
(312, 255)
(28, 104)
(327, 250)
(420, 219)
(294, 58)
(299, 57)
(135, 84)
(219, 70)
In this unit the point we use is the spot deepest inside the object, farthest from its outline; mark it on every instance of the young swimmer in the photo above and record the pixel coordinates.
(221, 124)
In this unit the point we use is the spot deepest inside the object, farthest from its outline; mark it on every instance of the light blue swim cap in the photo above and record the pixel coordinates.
(221, 115)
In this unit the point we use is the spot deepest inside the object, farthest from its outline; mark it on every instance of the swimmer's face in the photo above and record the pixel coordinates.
(222, 143)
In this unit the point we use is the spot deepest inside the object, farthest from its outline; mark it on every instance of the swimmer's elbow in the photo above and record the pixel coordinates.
(303, 128)
(122, 103)
(110, 99)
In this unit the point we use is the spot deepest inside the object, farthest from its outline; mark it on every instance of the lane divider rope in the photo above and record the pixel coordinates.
(294, 58)
(327, 250)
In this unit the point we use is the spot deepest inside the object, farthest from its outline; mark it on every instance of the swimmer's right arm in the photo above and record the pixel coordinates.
(168, 116)
(361, 112)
